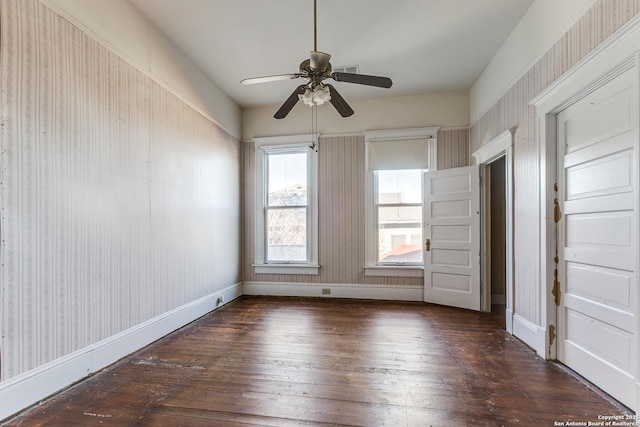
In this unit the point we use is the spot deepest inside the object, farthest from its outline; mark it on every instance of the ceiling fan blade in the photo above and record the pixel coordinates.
(362, 79)
(265, 79)
(290, 102)
(319, 60)
(339, 103)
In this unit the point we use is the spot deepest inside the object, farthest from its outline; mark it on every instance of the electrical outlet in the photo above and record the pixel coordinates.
(219, 301)
(326, 291)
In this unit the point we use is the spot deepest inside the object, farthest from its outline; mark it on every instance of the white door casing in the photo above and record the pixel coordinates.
(598, 235)
(452, 237)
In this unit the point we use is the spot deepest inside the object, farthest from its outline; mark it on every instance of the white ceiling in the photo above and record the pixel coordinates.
(424, 46)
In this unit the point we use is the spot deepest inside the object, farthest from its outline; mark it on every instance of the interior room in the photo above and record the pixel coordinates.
(425, 170)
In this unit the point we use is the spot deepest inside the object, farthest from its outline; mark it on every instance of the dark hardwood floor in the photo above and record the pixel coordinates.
(263, 361)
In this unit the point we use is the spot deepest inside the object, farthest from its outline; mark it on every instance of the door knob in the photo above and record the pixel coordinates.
(427, 245)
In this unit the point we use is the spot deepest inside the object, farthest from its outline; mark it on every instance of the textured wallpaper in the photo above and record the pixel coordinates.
(119, 201)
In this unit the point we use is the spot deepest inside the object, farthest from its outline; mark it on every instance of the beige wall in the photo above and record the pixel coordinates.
(448, 110)
(120, 201)
(513, 111)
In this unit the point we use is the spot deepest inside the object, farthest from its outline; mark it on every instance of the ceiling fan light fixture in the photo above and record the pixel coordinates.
(307, 97)
(321, 95)
(316, 96)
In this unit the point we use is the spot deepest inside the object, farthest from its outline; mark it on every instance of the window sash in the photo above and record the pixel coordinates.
(409, 258)
(270, 248)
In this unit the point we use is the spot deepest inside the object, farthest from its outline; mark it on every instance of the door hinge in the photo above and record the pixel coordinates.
(556, 291)
(552, 334)
(557, 213)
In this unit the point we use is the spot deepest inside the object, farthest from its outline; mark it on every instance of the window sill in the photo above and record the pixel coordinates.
(394, 271)
(304, 269)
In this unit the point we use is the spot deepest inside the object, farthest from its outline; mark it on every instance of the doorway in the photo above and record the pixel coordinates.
(496, 264)
(496, 239)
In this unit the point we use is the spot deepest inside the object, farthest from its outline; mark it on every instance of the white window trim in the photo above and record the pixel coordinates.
(282, 143)
(371, 267)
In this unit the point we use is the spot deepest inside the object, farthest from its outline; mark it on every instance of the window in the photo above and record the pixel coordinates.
(398, 216)
(286, 205)
(396, 162)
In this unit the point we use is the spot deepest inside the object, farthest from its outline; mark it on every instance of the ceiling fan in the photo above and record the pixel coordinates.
(316, 69)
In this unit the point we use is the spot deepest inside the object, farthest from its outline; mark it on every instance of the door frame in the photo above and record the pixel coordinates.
(613, 57)
(500, 146)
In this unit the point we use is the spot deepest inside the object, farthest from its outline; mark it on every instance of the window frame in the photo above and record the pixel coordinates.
(372, 267)
(305, 143)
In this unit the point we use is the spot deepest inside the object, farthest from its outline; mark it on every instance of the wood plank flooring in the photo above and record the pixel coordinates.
(263, 361)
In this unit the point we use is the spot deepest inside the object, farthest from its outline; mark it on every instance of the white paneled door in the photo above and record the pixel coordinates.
(452, 237)
(598, 236)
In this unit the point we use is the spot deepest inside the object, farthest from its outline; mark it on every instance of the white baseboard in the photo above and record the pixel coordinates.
(336, 290)
(509, 320)
(530, 333)
(18, 393)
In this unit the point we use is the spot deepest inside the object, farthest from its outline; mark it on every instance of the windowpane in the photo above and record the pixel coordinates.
(400, 186)
(399, 214)
(287, 179)
(287, 234)
(400, 234)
